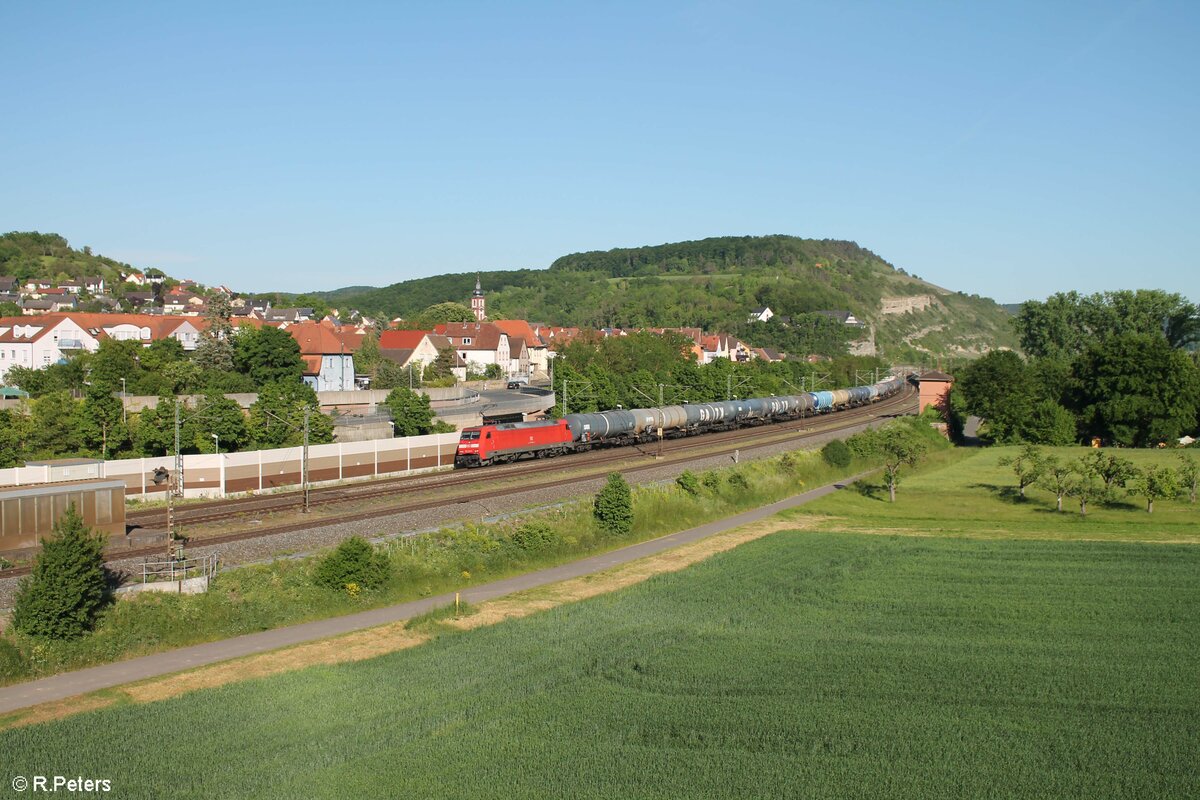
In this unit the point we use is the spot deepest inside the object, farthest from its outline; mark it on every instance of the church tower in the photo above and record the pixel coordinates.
(477, 301)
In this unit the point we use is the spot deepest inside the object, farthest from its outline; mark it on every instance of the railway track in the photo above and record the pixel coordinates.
(591, 465)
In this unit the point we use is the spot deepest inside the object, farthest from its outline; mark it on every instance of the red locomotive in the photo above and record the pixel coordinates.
(494, 444)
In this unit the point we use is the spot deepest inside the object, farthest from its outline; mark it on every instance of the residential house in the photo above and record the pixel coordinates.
(74, 287)
(407, 348)
(136, 278)
(328, 355)
(288, 315)
(94, 284)
(479, 344)
(722, 345)
(7, 284)
(48, 339)
(760, 314)
(530, 357)
(139, 299)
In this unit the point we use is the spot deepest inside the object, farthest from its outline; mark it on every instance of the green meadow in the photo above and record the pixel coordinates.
(808, 663)
(968, 492)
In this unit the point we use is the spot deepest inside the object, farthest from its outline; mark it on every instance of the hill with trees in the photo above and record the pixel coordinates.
(714, 283)
(48, 256)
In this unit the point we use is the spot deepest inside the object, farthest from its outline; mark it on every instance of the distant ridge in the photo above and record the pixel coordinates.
(713, 283)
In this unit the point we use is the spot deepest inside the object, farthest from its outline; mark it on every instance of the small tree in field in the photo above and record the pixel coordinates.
(1154, 482)
(613, 507)
(900, 446)
(1084, 485)
(1189, 475)
(1029, 463)
(67, 589)
(1057, 478)
(1114, 470)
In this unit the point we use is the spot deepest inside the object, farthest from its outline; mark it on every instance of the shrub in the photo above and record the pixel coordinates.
(738, 481)
(837, 454)
(712, 481)
(355, 562)
(12, 663)
(688, 481)
(67, 589)
(613, 507)
(535, 537)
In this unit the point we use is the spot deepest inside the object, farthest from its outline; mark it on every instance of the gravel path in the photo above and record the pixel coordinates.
(406, 523)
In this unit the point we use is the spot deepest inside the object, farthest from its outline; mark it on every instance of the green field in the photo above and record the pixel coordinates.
(967, 492)
(803, 664)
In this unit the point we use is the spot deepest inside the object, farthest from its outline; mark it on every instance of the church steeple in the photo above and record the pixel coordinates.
(478, 304)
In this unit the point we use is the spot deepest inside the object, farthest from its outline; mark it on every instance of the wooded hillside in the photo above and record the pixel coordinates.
(713, 283)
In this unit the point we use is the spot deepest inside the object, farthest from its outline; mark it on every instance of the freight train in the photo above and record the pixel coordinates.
(497, 444)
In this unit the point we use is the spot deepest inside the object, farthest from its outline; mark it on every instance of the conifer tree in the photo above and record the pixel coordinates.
(67, 589)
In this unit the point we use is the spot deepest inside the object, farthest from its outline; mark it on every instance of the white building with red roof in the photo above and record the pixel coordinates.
(38, 342)
(479, 344)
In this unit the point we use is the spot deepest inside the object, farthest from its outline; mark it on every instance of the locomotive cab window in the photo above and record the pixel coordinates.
(470, 436)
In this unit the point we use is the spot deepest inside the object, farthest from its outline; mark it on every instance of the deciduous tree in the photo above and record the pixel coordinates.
(1153, 482)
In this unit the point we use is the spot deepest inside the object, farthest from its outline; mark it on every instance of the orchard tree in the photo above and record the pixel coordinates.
(899, 445)
(1084, 485)
(1029, 464)
(1112, 469)
(1189, 474)
(1154, 482)
(67, 588)
(1056, 477)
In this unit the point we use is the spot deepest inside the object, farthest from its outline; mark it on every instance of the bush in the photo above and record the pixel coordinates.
(712, 481)
(688, 481)
(535, 537)
(837, 454)
(613, 507)
(12, 663)
(67, 589)
(738, 481)
(354, 561)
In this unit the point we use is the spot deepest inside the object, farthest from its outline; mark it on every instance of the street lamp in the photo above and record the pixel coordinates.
(123, 419)
(216, 438)
(392, 425)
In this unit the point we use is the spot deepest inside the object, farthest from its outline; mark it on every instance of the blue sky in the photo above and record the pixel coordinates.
(1008, 149)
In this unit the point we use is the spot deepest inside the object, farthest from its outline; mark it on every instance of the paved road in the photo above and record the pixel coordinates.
(68, 684)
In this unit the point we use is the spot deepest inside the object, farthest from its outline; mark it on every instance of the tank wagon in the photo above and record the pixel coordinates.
(492, 444)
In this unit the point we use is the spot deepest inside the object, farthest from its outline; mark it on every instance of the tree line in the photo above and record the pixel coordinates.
(1118, 366)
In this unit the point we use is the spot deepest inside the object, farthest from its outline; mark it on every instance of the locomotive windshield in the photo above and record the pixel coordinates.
(469, 436)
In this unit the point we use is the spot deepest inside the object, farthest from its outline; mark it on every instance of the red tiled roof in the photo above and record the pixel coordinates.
(483, 335)
(401, 340)
(317, 339)
(161, 326)
(517, 329)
